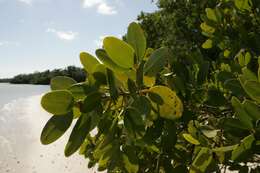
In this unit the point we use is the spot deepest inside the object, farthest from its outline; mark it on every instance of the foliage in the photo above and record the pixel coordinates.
(153, 110)
(44, 78)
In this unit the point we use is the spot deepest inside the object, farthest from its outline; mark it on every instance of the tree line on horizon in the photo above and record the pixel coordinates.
(43, 78)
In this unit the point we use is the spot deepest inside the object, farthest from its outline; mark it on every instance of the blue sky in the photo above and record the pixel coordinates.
(36, 35)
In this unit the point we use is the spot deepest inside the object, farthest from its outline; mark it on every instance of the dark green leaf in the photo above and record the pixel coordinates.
(241, 113)
(78, 135)
(55, 128)
(156, 62)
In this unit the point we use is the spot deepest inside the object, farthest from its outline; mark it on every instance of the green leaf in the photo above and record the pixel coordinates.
(252, 109)
(202, 160)
(112, 85)
(206, 28)
(252, 88)
(215, 97)
(207, 44)
(119, 51)
(172, 107)
(61, 82)
(107, 61)
(235, 87)
(211, 15)
(210, 133)
(224, 149)
(91, 102)
(241, 150)
(241, 113)
(136, 38)
(249, 75)
(247, 58)
(156, 62)
(134, 123)
(243, 4)
(78, 135)
(203, 72)
(88, 61)
(130, 160)
(132, 88)
(55, 128)
(78, 91)
(190, 139)
(58, 102)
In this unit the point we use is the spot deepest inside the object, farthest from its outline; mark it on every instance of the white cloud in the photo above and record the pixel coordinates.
(28, 2)
(105, 9)
(9, 43)
(101, 6)
(91, 3)
(63, 35)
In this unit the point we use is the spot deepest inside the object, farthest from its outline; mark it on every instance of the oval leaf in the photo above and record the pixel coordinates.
(78, 135)
(55, 128)
(57, 102)
(88, 61)
(156, 62)
(190, 139)
(119, 51)
(61, 82)
(136, 38)
(252, 88)
(172, 106)
(241, 113)
(103, 57)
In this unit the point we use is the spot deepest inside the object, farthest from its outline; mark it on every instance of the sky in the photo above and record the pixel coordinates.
(36, 35)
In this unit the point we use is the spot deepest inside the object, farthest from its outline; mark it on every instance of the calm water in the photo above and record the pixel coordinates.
(21, 121)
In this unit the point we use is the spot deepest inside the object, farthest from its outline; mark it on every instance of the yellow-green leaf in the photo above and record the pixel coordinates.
(119, 51)
(61, 82)
(172, 106)
(57, 102)
(207, 44)
(211, 15)
(88, 61)
(190, 139)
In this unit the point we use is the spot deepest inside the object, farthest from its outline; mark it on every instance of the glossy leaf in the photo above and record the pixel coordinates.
(136, 38)
(58, 102)
(190, 139)
(119, 51)
(107, 61)
(88, 61)
(61, 83)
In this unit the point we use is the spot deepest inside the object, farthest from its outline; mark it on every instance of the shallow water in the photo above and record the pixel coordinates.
(21, 122)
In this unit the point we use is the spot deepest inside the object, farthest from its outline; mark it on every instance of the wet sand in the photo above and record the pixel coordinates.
(21, 122)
